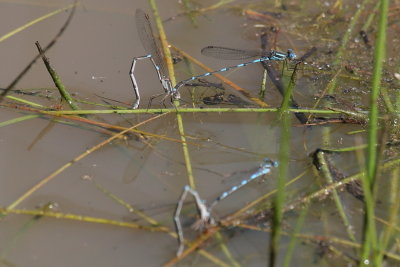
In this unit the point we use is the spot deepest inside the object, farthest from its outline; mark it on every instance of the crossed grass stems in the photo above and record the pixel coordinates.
(332, 83)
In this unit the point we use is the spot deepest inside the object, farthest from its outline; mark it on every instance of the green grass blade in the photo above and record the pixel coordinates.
(33, 22)
(19, 119)
(370, 236)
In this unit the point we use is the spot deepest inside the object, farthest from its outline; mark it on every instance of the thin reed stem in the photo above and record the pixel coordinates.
(370, 235)
(168, 58)
(56, 79)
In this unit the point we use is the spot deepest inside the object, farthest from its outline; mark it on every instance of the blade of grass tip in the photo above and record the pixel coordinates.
(69, 164)
(170, 67)
(49, 45)
(287, 96)
(19, 119)
(56, 79)
(30, 103)
(33, 22)
(62, 121)
(371, 167)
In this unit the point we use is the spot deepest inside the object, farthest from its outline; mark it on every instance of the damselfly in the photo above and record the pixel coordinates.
(204, 210)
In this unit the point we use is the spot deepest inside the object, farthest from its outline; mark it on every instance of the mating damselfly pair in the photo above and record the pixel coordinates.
(155, 54)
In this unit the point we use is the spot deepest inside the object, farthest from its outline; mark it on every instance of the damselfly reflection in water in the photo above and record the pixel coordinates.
(220, 98)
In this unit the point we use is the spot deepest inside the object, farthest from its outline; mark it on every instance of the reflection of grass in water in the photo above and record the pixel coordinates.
(370, 247)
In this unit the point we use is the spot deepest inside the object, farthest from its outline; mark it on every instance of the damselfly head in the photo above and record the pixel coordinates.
(290, 54)
(270, 163)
